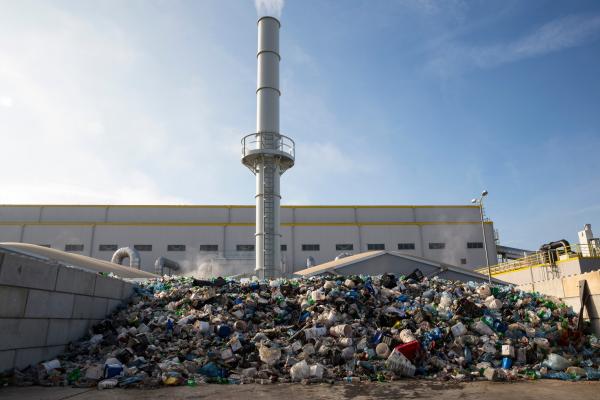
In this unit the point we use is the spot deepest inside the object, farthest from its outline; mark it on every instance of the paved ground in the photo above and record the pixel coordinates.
(538, 390)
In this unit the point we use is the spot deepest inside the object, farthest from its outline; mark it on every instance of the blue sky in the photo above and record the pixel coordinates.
(390, 102)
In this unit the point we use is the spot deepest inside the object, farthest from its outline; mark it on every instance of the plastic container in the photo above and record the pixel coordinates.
(508, 350)
(409, 350)
(300, 371)
(223, 330)
(397, 362)
(482, 328)
(315, 332)
(112, 370)
(316, 371)
(382, 350)
(341, 330)
(459, 329)
(50, 365)
(107, 384)
(506, 362)
(406, 336)
(203, 326)
(556, 362)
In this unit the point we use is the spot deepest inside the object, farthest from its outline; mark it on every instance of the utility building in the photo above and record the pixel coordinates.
(223, 236)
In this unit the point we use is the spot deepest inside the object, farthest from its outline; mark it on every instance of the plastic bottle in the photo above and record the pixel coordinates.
(459, 329)
(399, 363)
(556, 362)
(107, 384)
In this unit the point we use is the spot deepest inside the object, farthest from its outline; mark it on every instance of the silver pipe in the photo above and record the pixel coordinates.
(127, 252)
(162, 262)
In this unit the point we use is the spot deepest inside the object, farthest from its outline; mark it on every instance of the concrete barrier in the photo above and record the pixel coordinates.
(567, 289)
(44, 306)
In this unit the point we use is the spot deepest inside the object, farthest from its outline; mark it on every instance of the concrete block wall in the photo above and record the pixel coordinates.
(44, 306)
(567, 289)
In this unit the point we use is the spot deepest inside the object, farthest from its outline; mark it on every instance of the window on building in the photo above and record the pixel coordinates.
(344, 247)
(375, 246)
(463, 261)
(143, 247)
(107, 247)
(245, 247)
(474, 245)
(176, 247)
(209, 247)
(311, 247)
(284, 247)
(406, 246)
(437, 246)
(73, 247)
(44, 245)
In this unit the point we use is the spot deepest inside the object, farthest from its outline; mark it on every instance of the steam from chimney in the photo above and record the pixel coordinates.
(270, 8)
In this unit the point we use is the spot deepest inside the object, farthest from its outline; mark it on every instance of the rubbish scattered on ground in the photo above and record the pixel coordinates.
(184, 331)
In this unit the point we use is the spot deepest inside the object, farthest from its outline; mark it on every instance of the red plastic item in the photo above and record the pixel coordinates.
(410, 350)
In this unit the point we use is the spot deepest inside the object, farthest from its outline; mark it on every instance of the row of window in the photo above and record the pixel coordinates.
(250, 247)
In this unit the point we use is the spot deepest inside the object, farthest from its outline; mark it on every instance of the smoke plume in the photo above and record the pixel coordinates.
(271, 8)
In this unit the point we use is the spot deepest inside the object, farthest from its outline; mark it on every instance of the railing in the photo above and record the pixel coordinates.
(540, 258)
(277, 142)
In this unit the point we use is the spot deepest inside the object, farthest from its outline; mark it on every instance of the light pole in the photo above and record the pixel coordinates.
(479, 202)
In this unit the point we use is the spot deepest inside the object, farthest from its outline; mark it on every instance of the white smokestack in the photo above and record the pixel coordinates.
(268, 153)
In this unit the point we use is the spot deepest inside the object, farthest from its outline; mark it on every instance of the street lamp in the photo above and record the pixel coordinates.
(479, 202)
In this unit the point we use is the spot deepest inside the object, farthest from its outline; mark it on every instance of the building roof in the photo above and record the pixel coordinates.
(333, 266)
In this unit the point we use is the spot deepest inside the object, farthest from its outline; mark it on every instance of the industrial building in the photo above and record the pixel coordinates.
(223, 236)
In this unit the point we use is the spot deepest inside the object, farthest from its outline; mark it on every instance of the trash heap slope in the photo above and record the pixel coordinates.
(180, 331)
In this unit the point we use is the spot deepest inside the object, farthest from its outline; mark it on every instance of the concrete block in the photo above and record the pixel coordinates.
(127, 290)
(108, 287)
(571, 283)
(17, 333)
(58, 332)
(112, 306)
(553, 287)
(594, 306)
(82, 307)
(73, 280)
(7, 360)
(26, 272)
(99, 306)
(33, 356)
(595, 323)
(78, 328)
(12, 301)
(527, 287)
(43, 304)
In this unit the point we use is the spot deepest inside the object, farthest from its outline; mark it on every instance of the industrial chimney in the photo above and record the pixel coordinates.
(267, 153)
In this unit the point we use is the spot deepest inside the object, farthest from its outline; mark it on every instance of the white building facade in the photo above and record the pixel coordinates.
(223, 235)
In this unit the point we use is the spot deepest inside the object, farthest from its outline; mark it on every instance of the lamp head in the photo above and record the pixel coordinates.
(484, 193)
(474, 201)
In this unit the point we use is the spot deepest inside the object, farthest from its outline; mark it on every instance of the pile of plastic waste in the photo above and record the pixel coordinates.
(184, 331)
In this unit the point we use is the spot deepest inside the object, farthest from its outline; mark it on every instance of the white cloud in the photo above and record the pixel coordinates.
(100, 119)
(452, 57)
(6, 101)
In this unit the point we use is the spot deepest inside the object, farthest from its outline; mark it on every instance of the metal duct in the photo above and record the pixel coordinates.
(162, 262)
(127, 252)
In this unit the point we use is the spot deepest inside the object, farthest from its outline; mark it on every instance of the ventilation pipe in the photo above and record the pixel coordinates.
(127, 252)
(549, 250)
(342, 255)
(162, 262)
